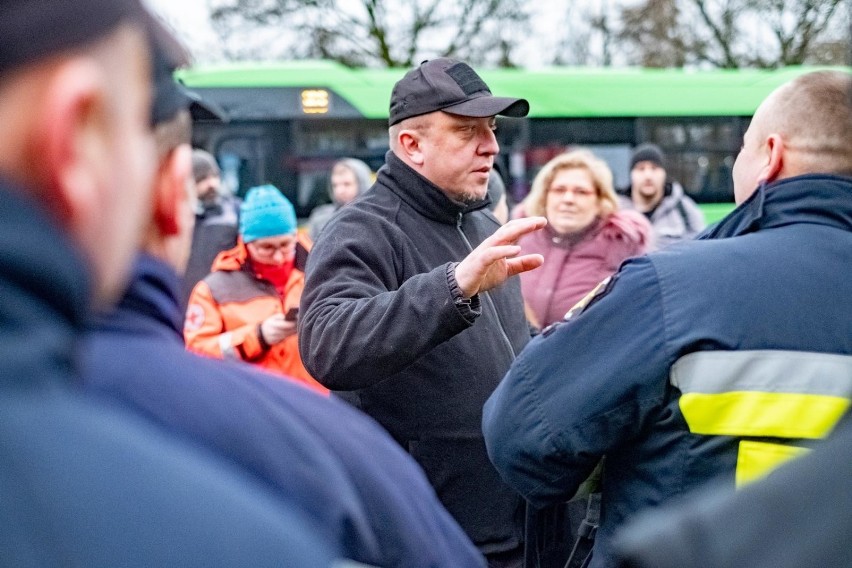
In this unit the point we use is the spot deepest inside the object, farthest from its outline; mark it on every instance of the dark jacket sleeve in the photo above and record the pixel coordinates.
(800, 515)
(579, 389)
(361, 320)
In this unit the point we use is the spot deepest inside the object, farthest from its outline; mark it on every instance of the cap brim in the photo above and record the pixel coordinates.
(481, 107)
(201, 109)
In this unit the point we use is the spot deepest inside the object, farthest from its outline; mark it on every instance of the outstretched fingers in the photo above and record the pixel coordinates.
(489, 256)
(514, 230)
(495, 259)
(523, 263)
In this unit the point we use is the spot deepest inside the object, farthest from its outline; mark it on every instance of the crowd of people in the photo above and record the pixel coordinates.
(193, 379)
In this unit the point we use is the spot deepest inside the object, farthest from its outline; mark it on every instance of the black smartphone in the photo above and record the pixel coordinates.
(291, 314)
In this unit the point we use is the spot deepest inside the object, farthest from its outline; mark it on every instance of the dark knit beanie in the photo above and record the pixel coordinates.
(647, 153)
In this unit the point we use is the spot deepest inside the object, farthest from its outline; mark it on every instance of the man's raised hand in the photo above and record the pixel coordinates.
(495, 260)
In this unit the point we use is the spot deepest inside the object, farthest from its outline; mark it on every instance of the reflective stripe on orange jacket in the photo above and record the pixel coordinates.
(226, 309)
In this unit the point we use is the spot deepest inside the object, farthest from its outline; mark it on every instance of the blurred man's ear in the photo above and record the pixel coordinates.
(170, 192)
(69, 152)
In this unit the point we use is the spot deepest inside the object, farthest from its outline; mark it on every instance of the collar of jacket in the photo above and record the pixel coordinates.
(570, 240)
(44, 292)
(232, 259)
(672, 195)
(813, 198)
(421, 194)
(151, 297)
(211, 210)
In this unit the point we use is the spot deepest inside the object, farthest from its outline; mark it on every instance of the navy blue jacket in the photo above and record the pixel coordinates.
(86, 484)
(690, 357)
(801, 515)
(331, 461)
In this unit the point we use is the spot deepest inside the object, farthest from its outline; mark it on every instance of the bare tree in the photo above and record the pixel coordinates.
(735, 33)
(588, 37)
(797, 25)
(392, 33)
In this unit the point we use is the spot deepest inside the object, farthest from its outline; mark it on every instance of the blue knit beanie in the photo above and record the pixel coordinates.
(266, 213)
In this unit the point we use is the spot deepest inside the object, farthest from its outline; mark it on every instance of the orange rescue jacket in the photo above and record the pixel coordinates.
(226, 309)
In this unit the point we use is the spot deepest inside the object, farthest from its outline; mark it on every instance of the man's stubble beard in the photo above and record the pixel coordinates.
(469, 198)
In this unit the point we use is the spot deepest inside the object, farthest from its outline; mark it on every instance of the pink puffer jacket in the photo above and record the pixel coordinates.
(575, 264)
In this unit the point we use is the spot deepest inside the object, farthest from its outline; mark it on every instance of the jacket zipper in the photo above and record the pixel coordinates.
(488, 301)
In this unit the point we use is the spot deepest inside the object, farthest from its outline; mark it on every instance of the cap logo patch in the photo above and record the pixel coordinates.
(467, 79)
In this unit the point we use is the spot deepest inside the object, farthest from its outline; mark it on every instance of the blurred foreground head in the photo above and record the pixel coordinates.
(169, 231)
(75, 104)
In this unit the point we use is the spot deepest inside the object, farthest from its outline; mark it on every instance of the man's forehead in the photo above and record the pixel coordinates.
(453, 121)
(466, 119)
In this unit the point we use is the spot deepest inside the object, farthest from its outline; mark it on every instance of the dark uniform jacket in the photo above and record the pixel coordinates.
(717, 358)
(83, 483)
(379, 324)
(321, 456)
(800, 515)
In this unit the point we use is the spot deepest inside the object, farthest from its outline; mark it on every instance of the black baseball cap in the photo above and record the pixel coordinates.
(30, 31)
(171, 96)
(452, 86)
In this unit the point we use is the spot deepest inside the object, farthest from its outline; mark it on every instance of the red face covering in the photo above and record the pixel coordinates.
(277, 275)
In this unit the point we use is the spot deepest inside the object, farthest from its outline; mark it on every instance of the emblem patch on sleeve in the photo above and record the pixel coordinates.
(194, 317)
(600, 290)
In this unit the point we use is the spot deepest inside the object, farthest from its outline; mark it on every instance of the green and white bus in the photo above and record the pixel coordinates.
(288, 122)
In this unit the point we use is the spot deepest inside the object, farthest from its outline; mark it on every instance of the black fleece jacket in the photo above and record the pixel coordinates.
(381, 321)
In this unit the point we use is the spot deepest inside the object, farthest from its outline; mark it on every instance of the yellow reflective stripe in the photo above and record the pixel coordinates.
(756, 459)
(762, 414)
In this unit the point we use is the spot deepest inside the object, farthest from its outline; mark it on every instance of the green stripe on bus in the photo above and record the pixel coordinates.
(559, 92)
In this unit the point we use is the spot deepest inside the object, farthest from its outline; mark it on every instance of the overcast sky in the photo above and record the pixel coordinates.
(190, 18)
